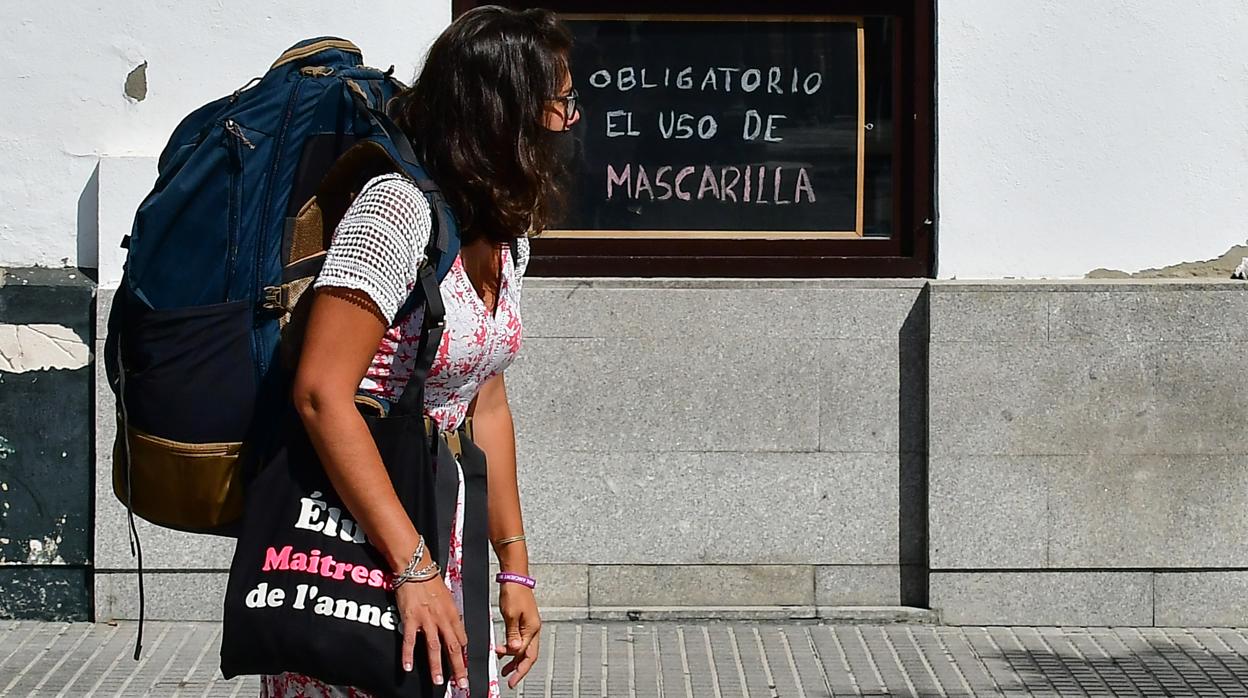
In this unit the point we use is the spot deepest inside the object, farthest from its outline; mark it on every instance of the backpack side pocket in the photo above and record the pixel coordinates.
(187, 402)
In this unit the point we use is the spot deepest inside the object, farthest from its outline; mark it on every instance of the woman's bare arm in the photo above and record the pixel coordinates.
(494, 433)
(343, 332)
(342, 336)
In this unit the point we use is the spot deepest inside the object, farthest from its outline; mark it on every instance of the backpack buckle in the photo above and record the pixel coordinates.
(276, 299)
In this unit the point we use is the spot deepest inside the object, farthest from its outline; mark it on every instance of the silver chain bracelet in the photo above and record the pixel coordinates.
(423, 574)
(411, 573)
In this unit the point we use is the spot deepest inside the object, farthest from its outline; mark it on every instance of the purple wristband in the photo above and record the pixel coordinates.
(504, 577)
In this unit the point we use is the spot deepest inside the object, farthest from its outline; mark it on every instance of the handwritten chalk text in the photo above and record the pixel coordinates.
(758, 184)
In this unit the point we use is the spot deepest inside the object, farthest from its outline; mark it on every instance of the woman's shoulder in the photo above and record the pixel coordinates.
(395, 191)
(392, 208)
(380, 243)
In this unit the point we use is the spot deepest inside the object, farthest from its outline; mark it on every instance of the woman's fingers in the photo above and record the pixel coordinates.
(434, 648)
(433, 612)
(520, 633)
(521, 671)
(452, 631)
(410, 628)
(521, 666)
(514, 641)
(528, 633)
(526, 655)
(461, 633)
(523, 661)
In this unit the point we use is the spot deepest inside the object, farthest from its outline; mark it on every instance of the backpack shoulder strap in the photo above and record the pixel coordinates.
(433, 262)
(445, 228)
(440, 255)
(411, 401)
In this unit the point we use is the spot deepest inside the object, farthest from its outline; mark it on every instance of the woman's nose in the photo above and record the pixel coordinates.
(576, 116)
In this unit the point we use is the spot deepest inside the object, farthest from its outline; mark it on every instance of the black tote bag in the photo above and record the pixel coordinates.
(307, 593)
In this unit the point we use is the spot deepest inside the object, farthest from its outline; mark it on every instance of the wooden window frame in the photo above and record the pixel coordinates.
(909, 252)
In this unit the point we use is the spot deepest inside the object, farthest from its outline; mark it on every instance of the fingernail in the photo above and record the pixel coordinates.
(463, 683)
(407, 666)
(437, 678)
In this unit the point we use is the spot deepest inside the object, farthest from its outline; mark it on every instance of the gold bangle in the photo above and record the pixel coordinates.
(505, 541)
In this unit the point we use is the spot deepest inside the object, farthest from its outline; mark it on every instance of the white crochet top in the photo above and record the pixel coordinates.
(377, 249)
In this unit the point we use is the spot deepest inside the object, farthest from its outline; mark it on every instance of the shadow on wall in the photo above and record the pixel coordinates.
(912, 413)
(89, 223)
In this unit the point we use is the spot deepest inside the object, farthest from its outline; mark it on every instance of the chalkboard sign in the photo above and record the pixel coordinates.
(717, 127)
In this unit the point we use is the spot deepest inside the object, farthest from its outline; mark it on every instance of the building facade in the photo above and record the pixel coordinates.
(1015, 401)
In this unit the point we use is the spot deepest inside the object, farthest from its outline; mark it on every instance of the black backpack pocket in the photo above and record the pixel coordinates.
(187, 395)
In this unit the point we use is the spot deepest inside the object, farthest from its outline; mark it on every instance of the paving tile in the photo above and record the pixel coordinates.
(685, 659)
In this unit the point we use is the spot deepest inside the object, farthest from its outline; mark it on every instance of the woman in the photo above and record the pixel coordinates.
(489, 116)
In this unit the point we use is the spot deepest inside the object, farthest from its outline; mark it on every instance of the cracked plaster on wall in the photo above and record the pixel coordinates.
(40, 347)
(1220, 267)
(136, 83)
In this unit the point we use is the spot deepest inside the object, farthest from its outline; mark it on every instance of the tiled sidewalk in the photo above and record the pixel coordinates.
(706, 660)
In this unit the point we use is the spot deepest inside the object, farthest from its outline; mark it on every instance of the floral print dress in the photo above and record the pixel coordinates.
(377, 249)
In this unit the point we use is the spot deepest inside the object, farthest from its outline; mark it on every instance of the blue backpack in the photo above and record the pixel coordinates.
(205, 328)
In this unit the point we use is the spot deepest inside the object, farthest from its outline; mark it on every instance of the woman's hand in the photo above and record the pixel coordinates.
(428, 607)
(519, 608)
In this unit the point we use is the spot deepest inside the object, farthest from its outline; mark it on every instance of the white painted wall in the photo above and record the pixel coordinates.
(64, 107)
(1073, 134)
(1077, 134)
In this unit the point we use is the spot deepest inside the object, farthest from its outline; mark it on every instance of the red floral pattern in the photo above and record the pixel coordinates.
(299, 686)
(476, 346)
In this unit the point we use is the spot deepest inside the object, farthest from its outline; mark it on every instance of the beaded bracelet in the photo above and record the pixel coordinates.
(504, 577)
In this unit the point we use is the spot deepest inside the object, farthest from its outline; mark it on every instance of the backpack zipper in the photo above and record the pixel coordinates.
(262, 361)
(232, 127)
(234, 145)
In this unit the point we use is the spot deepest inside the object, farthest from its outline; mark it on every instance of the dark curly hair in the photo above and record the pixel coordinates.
(476, 111)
